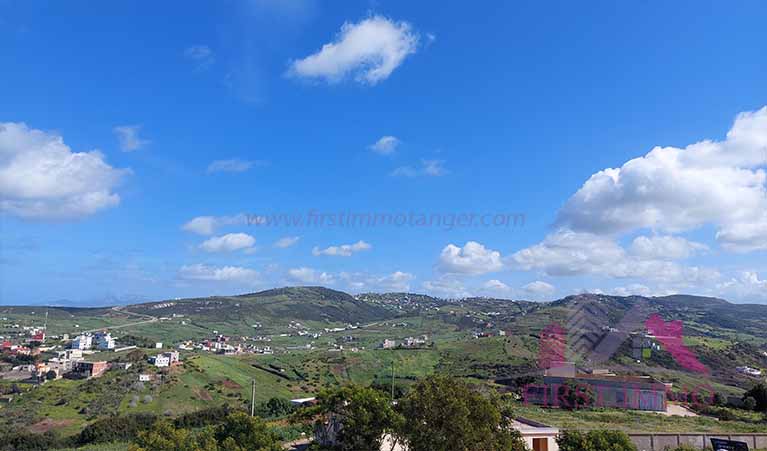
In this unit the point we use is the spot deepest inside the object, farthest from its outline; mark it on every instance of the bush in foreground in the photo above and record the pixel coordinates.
(595, 441)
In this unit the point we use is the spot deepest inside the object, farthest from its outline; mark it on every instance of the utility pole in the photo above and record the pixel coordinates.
(253, 398)
(392, 380)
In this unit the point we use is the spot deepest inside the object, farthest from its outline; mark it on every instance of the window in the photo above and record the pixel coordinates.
(540, 444)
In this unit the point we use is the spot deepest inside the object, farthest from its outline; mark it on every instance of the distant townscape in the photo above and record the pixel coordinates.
(643, 366)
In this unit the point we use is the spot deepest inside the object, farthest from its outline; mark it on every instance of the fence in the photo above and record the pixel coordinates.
(660, 442)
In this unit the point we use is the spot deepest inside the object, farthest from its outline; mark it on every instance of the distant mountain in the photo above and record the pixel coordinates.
(294, 303)
(320, 304)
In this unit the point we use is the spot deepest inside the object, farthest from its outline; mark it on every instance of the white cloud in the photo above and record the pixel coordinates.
(429, 168)
(228, 243)
(207, 225)
(41, 178)
(568, 253)
(446, 287)
(473, 258)
(495, 287)
(369, 51)
(746, 286)
(665, 247)
(232, 165)
(397, 281)
(202, 56)
(636, 289)
(539, 288)
(387, 145)
(434, 168)
(675, 189)
(344, 250)
(310, 275)
(286, 241)
(233, 274)
(128, 137)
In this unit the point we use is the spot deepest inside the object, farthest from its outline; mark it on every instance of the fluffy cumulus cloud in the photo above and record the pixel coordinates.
(228, 243)
(286, 241)
(344, 250)
(128, 137)
(387, 145)
(207, 225)
(41, 178)
(669, 191)
(368, 51)
(310, 275)
(676, 189)
(747, 286)
(471, 259)
(666, 247)
(446, 287)
(231, 274)
(568, 253)
(495, 287)
(539, 288)
(398, 281)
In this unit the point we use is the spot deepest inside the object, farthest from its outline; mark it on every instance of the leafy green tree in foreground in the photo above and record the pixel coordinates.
(759, 393)
(166, 437)
(238, 432)
(595, 441)
(444, 414)
(366, 415)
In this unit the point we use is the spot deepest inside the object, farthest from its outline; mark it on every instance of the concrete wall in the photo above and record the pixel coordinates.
(659, 442)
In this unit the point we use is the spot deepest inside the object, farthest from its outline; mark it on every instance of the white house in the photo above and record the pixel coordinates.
(105, 342)
(82, 342)
(165, 359)
(537, 436)
(160, 360)
(144, 377)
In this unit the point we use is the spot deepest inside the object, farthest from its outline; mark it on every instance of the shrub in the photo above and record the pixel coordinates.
(595, 441)
(115, 429)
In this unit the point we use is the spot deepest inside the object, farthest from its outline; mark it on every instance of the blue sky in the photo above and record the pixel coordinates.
(122, 122)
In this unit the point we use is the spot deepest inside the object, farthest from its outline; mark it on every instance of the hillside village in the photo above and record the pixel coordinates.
(483, 339)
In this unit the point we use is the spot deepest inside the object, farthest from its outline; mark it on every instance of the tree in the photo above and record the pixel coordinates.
(365, 416)
(595, 441)
(749, 403)
(166, 437)
(573, 395)
(719, 400)
(759, 393)
(240, 432)
(445, 414)
(278, 407)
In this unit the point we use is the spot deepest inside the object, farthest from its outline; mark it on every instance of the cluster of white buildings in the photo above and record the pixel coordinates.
(409, 342)
(222, 344)
(165, 359)
(101, 340)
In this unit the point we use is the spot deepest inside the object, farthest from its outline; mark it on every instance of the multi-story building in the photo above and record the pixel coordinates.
(105, 342)
(82, 342)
